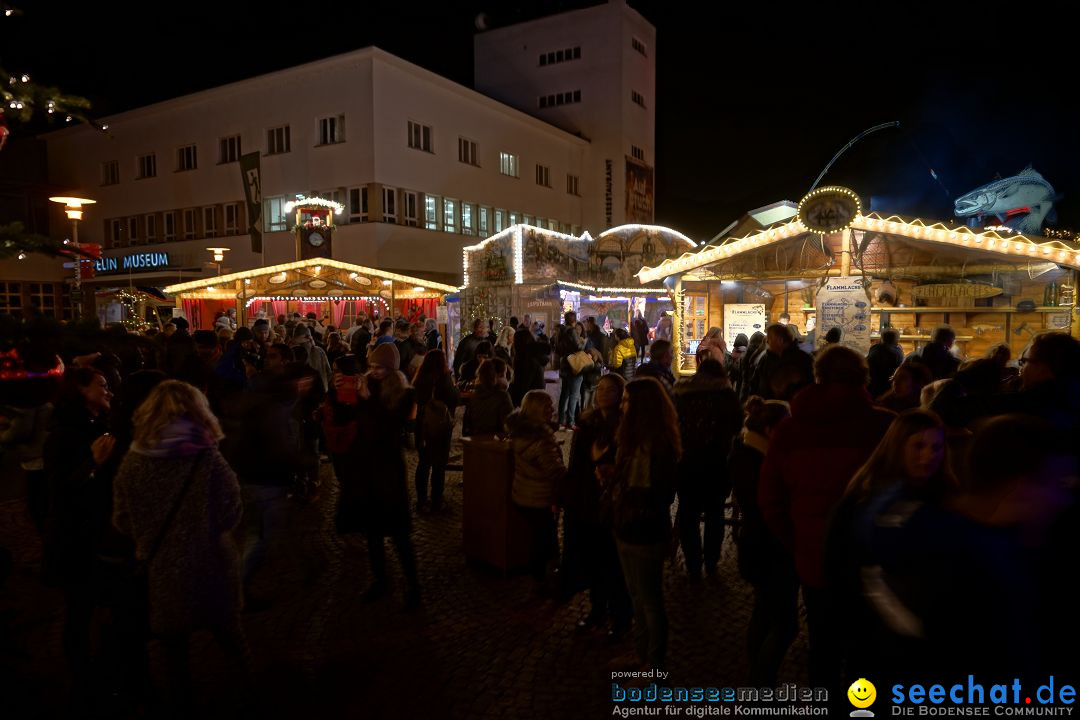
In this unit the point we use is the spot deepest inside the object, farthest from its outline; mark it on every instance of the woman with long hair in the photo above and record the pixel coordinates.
(906, 386)
(504, 344)
(436, 401)
(179, 501)
(490, 404)
(642, 486)
(335, 347)
(763, 560)
(538, 469)
(530, 358)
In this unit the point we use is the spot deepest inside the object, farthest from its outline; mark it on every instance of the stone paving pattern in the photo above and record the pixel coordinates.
(480, 646)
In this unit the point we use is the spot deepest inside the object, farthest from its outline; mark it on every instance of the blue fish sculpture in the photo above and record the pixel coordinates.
(1022, 202)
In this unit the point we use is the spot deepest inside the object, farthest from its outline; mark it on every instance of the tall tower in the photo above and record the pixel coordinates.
(591, 72)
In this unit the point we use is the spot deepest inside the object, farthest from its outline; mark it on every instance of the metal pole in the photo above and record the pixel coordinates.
(76, 305)
(857, 138)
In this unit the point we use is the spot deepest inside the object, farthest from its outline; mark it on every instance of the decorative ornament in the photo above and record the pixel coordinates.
(830, 209)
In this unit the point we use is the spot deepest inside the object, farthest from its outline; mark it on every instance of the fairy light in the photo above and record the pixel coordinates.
(303, 202)
(635, 228)
(830, 190)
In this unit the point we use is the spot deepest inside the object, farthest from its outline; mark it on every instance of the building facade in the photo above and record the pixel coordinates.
(422, 165)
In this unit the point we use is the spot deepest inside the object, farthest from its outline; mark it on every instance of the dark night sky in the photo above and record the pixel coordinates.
(752, 102)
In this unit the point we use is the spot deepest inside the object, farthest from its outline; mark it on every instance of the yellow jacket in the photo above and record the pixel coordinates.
(622, 350)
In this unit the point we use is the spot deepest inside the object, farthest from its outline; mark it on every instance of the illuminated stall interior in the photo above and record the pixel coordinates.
(326, 287)
(990, 286)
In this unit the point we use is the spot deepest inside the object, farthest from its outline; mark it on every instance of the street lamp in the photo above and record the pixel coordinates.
(73, 209)
(219, 256)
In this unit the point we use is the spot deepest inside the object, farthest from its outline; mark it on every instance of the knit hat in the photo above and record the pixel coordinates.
(385, 355)
(741, 340)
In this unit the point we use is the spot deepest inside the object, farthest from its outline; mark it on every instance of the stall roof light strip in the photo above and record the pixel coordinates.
(634, 228)
(300, 265)
(595, 289)
(988, 241)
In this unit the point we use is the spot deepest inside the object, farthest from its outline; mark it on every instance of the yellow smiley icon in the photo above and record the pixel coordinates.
(862, 693)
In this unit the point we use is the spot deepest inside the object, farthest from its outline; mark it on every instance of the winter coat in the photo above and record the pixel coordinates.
(812, 456)
(529, 370)
(580, 489)
(623, 350)
(488, 409)
(194, 578)
(642, 491)
(374, 496)
(662, 374)
(359, 343)
(759, 551)
(316, 360)
(941, 362)
(465, 351)
(639, 332)
(791, 371)
(567, 342)
(883, 361)
(538, 463)
(444, 391)
(709, 417)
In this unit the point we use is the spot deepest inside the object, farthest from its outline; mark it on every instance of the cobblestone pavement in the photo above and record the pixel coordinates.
(480, 646)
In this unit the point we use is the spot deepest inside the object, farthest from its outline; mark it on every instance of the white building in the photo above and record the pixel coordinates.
(422, 165)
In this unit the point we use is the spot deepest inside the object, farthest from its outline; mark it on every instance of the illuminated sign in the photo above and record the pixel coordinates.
(829, 209)
(133, 261)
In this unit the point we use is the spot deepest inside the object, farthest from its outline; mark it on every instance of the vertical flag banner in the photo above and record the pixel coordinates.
(249, 171)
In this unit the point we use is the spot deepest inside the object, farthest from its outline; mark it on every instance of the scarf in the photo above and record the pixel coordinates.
(181, 437)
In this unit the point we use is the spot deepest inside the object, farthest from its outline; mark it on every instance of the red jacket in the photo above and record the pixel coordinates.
(813, 455)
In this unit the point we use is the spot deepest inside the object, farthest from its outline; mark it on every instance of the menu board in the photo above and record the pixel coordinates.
(746, 318)
(843, 303)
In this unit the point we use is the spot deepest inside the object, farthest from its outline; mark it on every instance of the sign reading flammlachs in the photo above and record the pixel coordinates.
(955, 290)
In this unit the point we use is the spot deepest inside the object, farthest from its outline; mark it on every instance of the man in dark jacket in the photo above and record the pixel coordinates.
(467, 348)
(883, 360)
(639, 330)
(661, 358)
(709, 417)
(937, 353)
(783, 369)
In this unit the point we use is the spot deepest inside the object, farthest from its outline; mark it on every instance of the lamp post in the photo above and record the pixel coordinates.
(73, 209)
(219, 256)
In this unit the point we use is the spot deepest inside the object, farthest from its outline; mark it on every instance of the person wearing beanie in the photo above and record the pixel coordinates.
(734, 361)
(385, 355)
(316, 356)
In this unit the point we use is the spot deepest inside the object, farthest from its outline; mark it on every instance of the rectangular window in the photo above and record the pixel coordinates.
(42, 297)
(527, 219)
(168, 221)
(189, 224)
(275, 220)
(210, 222)
(114, 230)
(560, 56)
(332, 130)
(572, 185)
(515, 218)
(485, 215)
(500, 220)
(466, 151)
(232, 218)
(637, 153)
(410, 209)
(468, 211)
(110, 172)
(186, 158)
(638, 45)
(358, 204)
(543, 175)
(230, 149)
(431, 212)
(151, 228)
(569, 97)
(133, 231)
(553, 225)
(146, 166)
(420, 136)
(637, 98)
(10, 297)
(449, 215)
(508, 164)
(389, 205)
(277, 140)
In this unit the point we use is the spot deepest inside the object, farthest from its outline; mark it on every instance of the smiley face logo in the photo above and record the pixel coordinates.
(862, 693)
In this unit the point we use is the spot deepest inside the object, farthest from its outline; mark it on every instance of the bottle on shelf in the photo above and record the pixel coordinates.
(1050, 295)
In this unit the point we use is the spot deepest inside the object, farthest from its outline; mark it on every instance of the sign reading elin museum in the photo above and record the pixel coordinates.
(132, 261)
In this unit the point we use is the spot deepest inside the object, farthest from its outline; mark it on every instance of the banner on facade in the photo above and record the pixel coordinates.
(639, 193)
(250, 171)
(746, 318)
(843, 303)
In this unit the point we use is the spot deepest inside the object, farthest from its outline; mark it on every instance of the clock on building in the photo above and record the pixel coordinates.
(316, 238)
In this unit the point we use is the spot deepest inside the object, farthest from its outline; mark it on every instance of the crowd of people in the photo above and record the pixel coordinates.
(916, 504)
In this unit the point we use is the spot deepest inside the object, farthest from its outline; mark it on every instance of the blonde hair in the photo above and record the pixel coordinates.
(533, 405)
(168, 402)
(506, 337)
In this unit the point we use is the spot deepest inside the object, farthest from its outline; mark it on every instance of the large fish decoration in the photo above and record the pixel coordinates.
(1022, 202)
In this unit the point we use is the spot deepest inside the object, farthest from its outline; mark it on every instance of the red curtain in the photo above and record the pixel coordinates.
(280, 307)
(191, 312)
(337, 313)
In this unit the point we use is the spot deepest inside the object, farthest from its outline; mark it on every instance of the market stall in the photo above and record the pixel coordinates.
(828, 264)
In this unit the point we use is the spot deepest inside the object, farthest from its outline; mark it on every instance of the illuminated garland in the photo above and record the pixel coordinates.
(131, 319)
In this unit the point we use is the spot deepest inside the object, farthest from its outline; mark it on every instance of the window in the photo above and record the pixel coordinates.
(515, 218)
(110, 172)
(527, 219)
(420, 136)
(230, 149)
(332, 130)
(553, 225)
(508, 164)
(431, 212)
(275, 220)
(232, 219)
(42, 297)
(358, 207)
(186, 158)
(133, 231)
(146, 166)
(151, 228)
(637, 153)
(168, 220)
(189, 223)
(485, 215)
(114, 231)
(558, 56)
(210, 222)
(637, 98)
(389, 205)
(543, 175)
(564, 98)
(449, 215)
(500, 220)
(572, 185)
(277, 141)
(410, 209)
(468, 211)
(10, 297)
(466, 151)
(638, 45)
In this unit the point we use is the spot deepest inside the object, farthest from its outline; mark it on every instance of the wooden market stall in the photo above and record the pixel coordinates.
(866, 273)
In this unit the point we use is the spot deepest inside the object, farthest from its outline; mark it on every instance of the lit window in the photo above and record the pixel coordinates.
(275, 214)
(485, 214)
(500, 220)
(431, 212)
(449, 215)
(508, 164)
(467, 212)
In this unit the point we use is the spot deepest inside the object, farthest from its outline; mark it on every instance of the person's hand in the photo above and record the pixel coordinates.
(102, 448)
(339, 380)
(362, 389)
